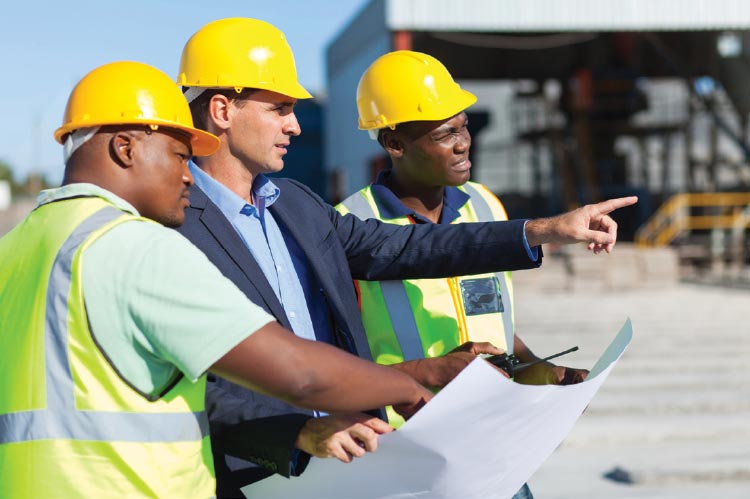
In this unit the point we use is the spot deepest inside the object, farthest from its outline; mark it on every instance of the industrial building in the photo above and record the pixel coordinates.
(578, 100)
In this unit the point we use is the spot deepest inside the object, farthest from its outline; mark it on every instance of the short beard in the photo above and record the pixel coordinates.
(171, 221)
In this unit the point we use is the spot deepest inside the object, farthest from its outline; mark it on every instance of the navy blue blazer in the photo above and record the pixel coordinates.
(249, 426)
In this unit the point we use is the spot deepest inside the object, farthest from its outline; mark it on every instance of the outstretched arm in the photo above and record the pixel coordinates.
(590, 224)
(315, 375)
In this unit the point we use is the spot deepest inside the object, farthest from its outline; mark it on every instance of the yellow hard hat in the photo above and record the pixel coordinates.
(125, 93)
(405, 86)
(240, 53)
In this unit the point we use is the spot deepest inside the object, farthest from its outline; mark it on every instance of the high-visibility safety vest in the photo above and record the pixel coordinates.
(70, 426)
(418, 318)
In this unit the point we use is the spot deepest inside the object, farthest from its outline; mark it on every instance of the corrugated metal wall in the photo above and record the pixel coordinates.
(566, 15)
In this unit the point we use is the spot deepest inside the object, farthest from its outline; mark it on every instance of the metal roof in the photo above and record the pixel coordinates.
(566, 15)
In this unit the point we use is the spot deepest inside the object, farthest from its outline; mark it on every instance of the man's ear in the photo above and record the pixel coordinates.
(392, 143)
(218, 112)
(122, 146)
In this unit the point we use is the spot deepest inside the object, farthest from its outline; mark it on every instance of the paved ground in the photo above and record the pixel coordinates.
(674, 415)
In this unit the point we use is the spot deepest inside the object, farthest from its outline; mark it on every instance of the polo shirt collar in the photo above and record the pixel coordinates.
(83, 189)
(391, 207)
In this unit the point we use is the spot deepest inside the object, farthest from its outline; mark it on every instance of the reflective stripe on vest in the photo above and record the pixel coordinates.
(396, 297)
(394, 293)
(484, 214)
(60, 419)
(358, 206)
(397, 302)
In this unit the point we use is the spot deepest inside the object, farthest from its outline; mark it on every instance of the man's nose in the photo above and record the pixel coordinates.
(187, 177)
(291, 127)
(463, 143)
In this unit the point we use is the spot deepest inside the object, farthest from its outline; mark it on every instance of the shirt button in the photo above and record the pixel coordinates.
(292, 315)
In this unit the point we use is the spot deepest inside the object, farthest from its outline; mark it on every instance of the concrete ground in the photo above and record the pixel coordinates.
(673, 419)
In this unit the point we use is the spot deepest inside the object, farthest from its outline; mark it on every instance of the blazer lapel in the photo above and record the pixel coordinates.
(326, 274)
(225, 234)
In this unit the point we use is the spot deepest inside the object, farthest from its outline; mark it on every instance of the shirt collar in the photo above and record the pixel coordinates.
(265, 192)
(390, 206)
(84, 190)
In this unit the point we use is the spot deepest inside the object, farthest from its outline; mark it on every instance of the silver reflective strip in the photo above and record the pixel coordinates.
(394, 293)
(484, 214)
(59, 378)
(102, 426)
(359, 207)
(402, 319)
(61, 420)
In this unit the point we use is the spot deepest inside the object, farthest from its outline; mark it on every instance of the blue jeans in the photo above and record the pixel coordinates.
(523, 493)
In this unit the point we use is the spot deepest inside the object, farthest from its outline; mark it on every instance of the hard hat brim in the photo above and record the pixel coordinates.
(299, 92)
(202, 143)
(294, 90)
(461, 102)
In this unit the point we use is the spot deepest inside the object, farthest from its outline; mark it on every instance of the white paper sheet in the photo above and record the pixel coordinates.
(482, 436)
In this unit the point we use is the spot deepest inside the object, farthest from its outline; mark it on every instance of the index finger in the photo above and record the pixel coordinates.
(377, 425)
(613, 204)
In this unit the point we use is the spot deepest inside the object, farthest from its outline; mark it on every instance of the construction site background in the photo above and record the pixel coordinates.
(671, 420)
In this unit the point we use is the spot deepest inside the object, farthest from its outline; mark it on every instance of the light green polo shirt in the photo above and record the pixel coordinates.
(155, 303)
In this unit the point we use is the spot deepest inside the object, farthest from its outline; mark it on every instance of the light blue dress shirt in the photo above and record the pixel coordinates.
(262, 236)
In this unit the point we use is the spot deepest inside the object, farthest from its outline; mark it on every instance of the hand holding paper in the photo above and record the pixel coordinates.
(482, 436)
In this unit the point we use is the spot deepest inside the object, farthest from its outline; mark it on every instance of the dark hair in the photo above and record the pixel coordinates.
(199, 106)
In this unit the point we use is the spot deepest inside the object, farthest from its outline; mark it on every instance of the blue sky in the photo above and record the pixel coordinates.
(47, 46)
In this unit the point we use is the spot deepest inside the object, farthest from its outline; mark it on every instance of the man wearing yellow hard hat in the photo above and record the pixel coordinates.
(109, 321)
(410, 104)
(295, 256)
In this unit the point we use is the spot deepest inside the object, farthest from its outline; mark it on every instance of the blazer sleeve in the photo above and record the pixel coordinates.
(248, 428)
(381, 251)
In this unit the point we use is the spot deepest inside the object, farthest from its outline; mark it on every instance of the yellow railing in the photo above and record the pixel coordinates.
(722, 210)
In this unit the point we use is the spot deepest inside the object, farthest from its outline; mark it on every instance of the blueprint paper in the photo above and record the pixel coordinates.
(482, 436)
